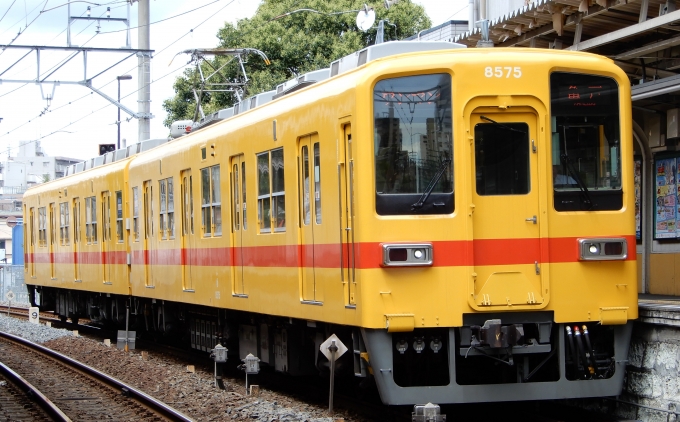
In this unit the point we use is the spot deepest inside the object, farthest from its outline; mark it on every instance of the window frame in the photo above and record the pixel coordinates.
(401, 175)
(167, 209)
(120, 233)
(211, 202)
(64, 224)
(91, 220)
(135, 213)
(42, 227)
(270, 199)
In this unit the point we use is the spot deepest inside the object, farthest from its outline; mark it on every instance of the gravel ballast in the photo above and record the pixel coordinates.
(37, 333)
(192, 393)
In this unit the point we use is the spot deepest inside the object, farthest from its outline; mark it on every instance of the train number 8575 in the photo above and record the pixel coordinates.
(503, 72)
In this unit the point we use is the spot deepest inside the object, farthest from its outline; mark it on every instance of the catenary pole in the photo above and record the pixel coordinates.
(144, 71)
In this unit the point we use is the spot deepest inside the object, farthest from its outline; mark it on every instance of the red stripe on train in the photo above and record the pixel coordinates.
(367, 255)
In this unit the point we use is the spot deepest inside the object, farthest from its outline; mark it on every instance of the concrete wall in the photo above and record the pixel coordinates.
(653, 371)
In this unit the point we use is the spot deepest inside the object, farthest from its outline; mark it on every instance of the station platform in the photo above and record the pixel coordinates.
(659, 309)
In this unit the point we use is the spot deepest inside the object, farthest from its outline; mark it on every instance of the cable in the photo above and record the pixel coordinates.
(447, 19)
(92, 112)
(113, 80)
(6, 12)
(27, 25)
(171, 17)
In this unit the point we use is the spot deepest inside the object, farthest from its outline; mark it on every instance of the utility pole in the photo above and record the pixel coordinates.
(120, 78)
(144, 71)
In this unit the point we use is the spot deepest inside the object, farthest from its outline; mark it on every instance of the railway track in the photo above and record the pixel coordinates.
(79, 391)
(361, 404)
(20, 401)
(44, 316)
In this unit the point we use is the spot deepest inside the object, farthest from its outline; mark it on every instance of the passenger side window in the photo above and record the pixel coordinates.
(119, 216)
(271, 195)
(135, 213)
(167, 211)
(211, 205)
(42, 227)
(91, 219)
(106, 216)
(76, 220)
(63, 223)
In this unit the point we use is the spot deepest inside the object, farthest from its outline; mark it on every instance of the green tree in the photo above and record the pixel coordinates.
(295, 43)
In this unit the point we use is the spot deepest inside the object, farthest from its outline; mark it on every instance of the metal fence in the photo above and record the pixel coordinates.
(12, 279)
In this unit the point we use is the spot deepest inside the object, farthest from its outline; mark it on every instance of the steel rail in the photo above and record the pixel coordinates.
(126, 389)
(35, 394)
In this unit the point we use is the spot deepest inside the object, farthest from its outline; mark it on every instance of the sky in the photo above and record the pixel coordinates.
(70, 120)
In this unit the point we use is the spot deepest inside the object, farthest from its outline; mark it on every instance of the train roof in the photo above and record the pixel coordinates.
(342, 65)
(93, 173)
(337, 67)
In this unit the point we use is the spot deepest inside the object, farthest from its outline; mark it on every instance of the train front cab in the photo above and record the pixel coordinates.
(512, 274)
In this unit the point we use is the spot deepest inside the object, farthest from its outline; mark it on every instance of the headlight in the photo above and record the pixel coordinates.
(614, 249)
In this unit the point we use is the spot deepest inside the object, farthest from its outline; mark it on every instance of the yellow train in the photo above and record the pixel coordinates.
(461, 218)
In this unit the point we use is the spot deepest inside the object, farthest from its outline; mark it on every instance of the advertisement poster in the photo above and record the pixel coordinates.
(666, 199)
(638, 198)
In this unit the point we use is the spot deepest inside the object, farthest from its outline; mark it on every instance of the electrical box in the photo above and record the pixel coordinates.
(672, 116)
(653, 129)
(667, 7)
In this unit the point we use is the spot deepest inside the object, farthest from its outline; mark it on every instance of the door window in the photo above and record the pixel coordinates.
(502, 158)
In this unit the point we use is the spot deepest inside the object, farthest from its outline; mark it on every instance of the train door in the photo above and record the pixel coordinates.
(188, 239)
(53, 231)
(148, 232)
(346, 181)
(505, 214)
(76, 239)
(239, 222)
(31, 243)
(106, 236)
(309, 181)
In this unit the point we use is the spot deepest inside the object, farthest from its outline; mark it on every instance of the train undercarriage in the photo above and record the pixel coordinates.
(492, 357)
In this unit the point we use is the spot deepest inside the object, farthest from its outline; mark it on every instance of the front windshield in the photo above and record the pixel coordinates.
(586, 151)
(413, 144)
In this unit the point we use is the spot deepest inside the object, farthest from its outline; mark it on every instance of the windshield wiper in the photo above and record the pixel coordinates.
(501, 125)
(430, 186)
(587, 200)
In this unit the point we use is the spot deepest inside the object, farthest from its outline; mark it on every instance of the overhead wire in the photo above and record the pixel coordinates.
(166, 19)
(27, 24)
(113, 80)
(61, 129)
(7, 11)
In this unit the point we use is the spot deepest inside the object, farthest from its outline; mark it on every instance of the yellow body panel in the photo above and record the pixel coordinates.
(249, 270)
